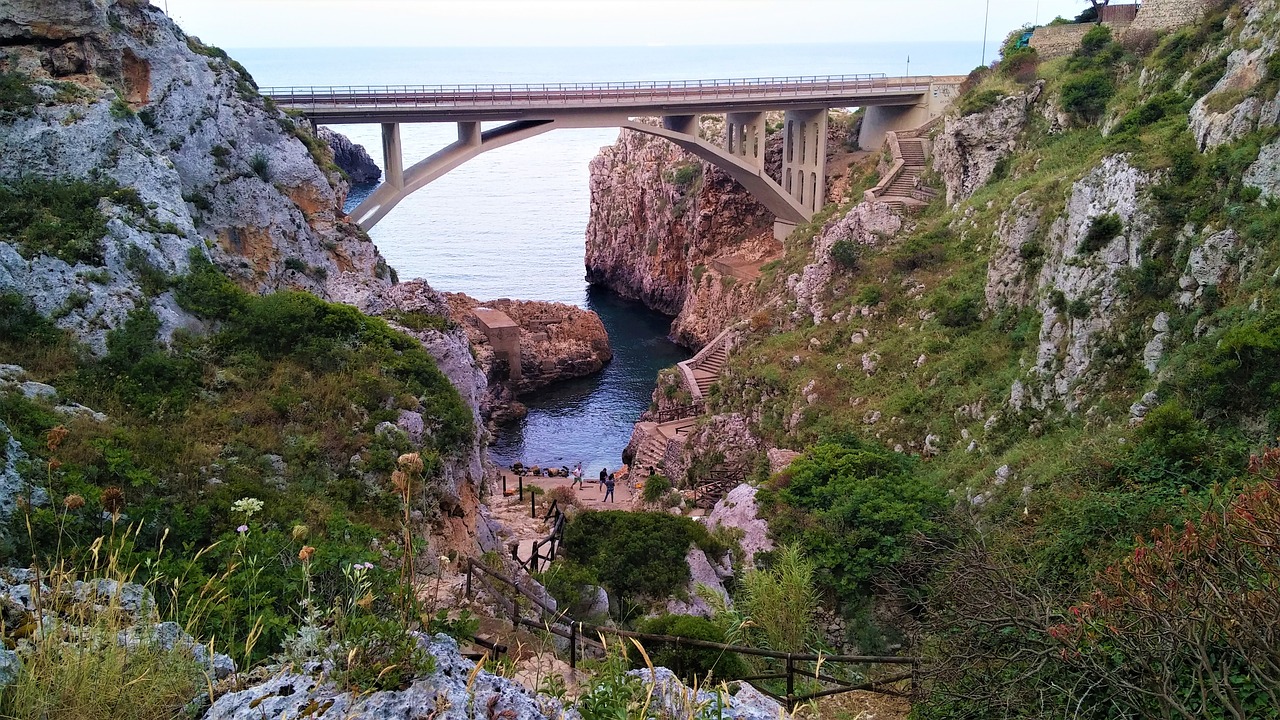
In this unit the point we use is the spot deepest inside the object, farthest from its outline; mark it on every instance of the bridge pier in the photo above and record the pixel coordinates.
(685, 124)
(469, 134)
(744, 136)
(804, 157)
(393, 155)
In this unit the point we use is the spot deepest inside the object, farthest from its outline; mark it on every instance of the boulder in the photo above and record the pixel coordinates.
(352, 157)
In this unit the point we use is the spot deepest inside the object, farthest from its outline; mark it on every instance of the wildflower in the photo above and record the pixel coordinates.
(247, 505)
(242, 529)
(113, 500)
(300, 532)
(54, 464)
(411, 462)
(366, 602)
(444, 559)
(73, 502)
(368, 566)
(305, 553)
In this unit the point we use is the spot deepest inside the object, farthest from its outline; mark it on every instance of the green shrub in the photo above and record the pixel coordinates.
(851, 506)
(684, 175)
(920, 251)
(1085, 96)
(1238, 373)
(566, 580)
(691, 664)
(261, 166)
(974, 103)
(120, 109)
(869, 295)
(16, 95)
(154, 281)
(635, 555)
(959, 312)
(57, 217)
(845, 254)
(1102, 230)
(21, 322)
(656, 487)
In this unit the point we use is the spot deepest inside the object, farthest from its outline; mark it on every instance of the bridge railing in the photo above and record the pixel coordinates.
(586, 93)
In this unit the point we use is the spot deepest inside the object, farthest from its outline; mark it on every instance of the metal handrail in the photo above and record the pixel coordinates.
(587, 93)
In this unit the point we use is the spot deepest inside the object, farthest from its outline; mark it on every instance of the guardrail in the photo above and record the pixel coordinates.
(589, 93)
(806, 668)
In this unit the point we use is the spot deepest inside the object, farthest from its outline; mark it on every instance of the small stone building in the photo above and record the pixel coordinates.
(1053, 41)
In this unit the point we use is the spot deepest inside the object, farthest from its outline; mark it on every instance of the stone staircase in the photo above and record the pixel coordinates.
(657, 441)
(702, 370)
(899, 192)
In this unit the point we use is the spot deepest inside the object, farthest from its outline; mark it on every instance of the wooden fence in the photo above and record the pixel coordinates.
(802, 672)
(544, 550)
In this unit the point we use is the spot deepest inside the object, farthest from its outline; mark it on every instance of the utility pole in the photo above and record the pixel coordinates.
(986, 24)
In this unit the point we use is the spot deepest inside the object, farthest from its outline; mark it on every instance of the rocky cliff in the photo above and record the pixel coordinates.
(352, 158)
(185, 156)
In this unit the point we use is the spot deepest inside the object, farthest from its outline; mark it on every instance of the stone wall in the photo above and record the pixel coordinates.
(1054, 41)
(1160, 15)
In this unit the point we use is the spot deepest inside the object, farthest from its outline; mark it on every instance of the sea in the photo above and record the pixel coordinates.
(512, 223)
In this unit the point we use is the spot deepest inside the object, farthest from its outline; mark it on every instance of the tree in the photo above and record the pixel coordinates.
(1094, 13)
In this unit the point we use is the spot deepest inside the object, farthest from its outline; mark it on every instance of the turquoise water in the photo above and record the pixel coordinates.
(512, 223)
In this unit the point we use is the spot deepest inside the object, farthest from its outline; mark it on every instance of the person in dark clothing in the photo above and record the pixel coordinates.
(608, 492)
(604, 473)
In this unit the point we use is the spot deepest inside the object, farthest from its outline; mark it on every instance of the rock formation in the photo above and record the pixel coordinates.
(557, 342)
(351, 157)
(210, 167)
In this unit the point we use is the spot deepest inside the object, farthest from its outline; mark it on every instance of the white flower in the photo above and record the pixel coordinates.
(248, 506)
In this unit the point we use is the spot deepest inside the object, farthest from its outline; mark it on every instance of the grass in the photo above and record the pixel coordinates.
(59, 217)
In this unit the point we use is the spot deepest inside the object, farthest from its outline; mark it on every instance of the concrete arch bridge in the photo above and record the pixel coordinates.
(531, 110)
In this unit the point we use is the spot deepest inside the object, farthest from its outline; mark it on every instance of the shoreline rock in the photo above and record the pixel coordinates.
(352, 157)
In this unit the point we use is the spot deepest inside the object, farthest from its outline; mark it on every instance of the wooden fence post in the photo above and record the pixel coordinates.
(469, 561)
(573, 645)
(791, 684)
(533, 504)
(520, 479)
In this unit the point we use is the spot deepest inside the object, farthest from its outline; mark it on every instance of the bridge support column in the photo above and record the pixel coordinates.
(804, 157)
(469, 134)
(744, 136)
(393, 155)
(686, 124)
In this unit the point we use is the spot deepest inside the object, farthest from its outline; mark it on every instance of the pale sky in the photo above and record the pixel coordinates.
(564, 23)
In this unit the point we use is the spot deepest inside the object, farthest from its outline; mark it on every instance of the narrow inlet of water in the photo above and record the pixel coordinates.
(589, 420)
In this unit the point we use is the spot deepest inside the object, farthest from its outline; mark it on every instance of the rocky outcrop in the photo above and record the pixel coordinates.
(454, 690)
(866, 224)
(210, 167)
(739, 510)
(1075, 287)
(557, 341)
(705, 576)
(726, 438)
(658, 212)
(464, 527)
(351, 157)
(1234, 108)
(739, 701)
(970, 147)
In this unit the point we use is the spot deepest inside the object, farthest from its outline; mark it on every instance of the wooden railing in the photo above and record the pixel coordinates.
(797, 669)
(718, 483)
(679, 412)
(543, 552)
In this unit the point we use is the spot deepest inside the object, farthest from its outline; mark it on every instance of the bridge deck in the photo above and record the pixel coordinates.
(462, 103)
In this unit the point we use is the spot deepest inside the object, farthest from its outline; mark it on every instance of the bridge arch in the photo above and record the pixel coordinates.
(740, 164)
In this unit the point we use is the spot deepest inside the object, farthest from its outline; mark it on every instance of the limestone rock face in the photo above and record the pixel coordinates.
(1225, 114)
(1008, 280)
(1264, 173)
(451, 349)
(656, 214)
(1074, 279)
(739, 510)
(742, 702)
(728, 435)
(970, 147)
(707, 574)
(216, 171)
(448, 693)
(351, 157)
(867, 224)
(557, 341)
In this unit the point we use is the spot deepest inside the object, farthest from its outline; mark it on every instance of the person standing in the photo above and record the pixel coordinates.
(608, 493)
(577, 477)
(604, 473)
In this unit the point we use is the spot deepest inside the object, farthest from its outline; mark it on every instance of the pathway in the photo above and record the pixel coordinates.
(898, 194)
